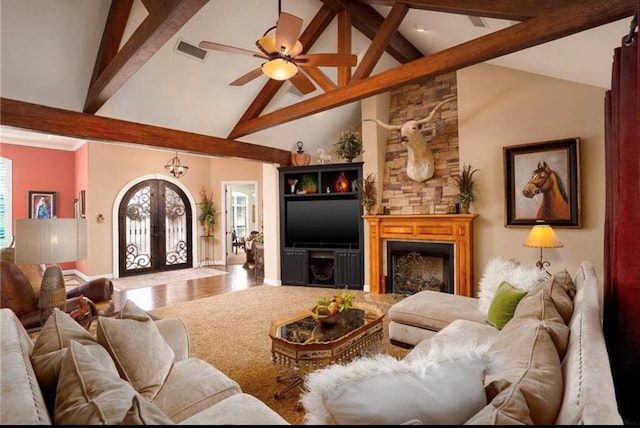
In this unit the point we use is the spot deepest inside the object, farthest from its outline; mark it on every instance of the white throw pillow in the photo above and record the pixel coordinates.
(498, 270)
(442, 388)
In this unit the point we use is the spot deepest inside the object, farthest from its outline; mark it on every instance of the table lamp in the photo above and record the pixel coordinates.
(50, 241)
(543, 236)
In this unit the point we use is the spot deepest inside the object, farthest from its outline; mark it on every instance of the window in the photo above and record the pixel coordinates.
(6, 231)
(239, 208)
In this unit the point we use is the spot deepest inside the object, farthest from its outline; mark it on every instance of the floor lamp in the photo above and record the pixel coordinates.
(543, 236)
(50, 241)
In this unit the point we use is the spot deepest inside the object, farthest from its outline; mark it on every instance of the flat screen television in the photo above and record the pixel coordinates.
(322, 223)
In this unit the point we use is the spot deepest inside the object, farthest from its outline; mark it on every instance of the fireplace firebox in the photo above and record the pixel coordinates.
(414, 266)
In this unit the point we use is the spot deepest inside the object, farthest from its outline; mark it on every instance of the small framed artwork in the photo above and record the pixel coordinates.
(42, 204)
(542, 184)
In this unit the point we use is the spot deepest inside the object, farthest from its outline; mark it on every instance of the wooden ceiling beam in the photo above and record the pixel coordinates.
(112, 36)
(573, 18)
(368, 21)
(344, 45)
(73, 124)
(161, 24)
(500, 9)
(380, 42)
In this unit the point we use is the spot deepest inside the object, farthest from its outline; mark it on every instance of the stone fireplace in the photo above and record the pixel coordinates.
(454, 230)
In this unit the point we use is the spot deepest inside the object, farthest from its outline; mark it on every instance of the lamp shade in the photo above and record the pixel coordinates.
(279, 69)
(51, 240)
(543, 236)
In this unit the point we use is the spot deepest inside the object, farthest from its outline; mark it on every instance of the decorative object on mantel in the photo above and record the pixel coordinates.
(300, 158)
(543, 236)
(207, 211)
(309, 183)
(366, 188)
(342, 184)
(324, 157)
(420, 160)
(465, 183)
(349, 145)
(329, 311)
(175, 168)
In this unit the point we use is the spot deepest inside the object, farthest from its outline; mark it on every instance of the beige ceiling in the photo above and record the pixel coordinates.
(49, 47)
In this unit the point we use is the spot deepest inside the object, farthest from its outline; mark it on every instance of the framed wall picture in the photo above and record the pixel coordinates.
(42, 204)
(542, 184)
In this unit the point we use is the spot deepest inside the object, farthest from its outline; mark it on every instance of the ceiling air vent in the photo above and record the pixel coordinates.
(191, 50)
(478, 21)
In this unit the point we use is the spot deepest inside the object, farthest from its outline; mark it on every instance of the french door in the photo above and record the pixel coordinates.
(154, 229)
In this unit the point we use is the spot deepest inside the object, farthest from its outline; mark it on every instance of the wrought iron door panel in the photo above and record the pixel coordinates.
(154, 232)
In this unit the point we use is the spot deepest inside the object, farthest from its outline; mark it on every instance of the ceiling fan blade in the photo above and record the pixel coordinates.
(231, 49)
(287, 31)
(327, 59)
(246, 78)
(302, 82)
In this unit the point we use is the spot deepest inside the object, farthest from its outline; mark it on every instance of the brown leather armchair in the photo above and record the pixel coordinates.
(17, 294)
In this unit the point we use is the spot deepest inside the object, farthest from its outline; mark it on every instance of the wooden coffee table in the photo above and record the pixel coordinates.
(303, 345)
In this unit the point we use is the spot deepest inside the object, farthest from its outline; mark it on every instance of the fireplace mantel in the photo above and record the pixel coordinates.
(454, 228)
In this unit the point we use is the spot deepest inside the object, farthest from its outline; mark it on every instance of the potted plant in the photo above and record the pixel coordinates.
(349, 145)
(207, 211)
(309, 183)
(465, 183)
(366, 188)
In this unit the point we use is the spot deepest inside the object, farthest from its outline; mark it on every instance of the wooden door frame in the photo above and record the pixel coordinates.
(226, 240)
(114, 215)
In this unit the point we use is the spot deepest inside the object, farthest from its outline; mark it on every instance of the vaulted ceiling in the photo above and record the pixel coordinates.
(138, 33)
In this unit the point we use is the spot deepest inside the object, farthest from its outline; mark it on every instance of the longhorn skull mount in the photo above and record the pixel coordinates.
(420, 160)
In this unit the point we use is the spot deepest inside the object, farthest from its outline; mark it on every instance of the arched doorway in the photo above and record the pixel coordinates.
(155, 231)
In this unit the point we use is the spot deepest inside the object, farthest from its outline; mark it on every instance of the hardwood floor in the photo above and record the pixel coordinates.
(158, 296)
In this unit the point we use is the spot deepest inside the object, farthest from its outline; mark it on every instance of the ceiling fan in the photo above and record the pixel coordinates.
(282, 52)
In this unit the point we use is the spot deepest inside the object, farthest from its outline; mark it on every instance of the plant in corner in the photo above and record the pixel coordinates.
(349, 145)
(207, 211)
(366, 188)
(465, 183)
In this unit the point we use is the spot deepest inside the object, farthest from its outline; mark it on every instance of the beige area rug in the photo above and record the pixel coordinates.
(231, 332)
(139, 281)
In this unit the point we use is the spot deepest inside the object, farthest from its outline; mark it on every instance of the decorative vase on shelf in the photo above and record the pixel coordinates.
(342, 184)
(300, 158)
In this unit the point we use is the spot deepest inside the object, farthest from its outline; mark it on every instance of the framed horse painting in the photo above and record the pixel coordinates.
(542, 184)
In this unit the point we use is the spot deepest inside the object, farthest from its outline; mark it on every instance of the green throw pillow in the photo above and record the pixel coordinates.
(504, 304)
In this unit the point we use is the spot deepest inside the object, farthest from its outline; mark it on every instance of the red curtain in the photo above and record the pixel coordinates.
(622, 226)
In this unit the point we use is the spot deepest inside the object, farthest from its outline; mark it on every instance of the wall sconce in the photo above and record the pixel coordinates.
(543, 236)
(175, 168)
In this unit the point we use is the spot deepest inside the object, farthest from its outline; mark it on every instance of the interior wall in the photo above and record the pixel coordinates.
(41, 169)
(112, 166)
(501, 107)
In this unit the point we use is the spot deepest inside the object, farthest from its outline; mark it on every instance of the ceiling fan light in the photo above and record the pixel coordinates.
(268, 42)
(279, 69)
